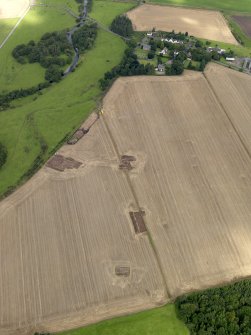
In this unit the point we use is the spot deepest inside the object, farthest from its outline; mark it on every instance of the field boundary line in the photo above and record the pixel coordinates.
(15, 27)
(168, 294)
(227, 115)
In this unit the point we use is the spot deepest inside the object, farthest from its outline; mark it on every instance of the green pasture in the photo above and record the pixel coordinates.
(226, 5)
(159, 321)
(37, 22)
(5, 27)
(104, 11)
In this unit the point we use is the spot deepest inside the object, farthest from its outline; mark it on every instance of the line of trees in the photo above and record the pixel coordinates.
(5, 99)
(129, 66)
(221, 311)
(3, 154)
(122, 25)
(84, 37)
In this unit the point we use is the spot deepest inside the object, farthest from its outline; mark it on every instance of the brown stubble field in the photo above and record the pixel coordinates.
(200, 23)
(196, 182)
(62, 236)
(66, 236)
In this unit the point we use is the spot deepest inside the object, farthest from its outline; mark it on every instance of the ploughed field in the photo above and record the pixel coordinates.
(152, 202)
(200, 23)
(244, 22)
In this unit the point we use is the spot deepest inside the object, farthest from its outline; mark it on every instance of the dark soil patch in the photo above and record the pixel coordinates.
(138, 221)
(245, 23)
(60, 163)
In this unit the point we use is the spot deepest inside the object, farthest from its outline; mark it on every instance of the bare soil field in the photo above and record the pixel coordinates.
(201, 23)
(245, 23)
(168, 159)
(12, 8)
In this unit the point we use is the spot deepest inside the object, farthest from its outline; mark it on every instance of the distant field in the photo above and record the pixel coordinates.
(245, 23)
(12, 8)
(159, 321)
(199, 23)
(229, 5)
(104, 11)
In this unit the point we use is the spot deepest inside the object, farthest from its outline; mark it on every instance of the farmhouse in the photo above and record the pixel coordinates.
(161, 68)
(164, 52)
(146, 47)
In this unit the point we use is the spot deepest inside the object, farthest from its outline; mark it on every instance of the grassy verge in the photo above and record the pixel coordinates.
(159, 321)
(226, 5)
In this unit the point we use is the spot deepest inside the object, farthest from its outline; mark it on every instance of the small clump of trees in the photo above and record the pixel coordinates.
(176, 68)
(53, 51)
(3, 154)
(5, 99)
(221, 311)
(122, 25)
(85, 36)
(129, 66)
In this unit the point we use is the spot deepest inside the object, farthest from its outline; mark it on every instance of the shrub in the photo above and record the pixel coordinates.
(3, 154)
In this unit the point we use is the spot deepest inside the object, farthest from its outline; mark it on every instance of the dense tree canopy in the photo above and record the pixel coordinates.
(176, 68)
(46, 52)
(3, 154)
(122, 25)
(84, 37)
(221, 311)
(129, 66)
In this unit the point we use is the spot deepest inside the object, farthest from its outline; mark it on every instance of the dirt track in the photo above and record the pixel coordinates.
(201, 23)
(63, 234)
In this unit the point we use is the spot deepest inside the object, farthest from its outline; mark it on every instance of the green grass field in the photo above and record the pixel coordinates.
(159, 321)
(37, 22)
(5, 27)
(62, 107)
(104, 11)
(226, 5)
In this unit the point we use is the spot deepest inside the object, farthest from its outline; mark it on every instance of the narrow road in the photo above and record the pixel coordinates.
(69, 37)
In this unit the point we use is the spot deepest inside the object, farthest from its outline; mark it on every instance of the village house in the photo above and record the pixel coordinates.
(164, 52)
(218, 50)
(160, 68)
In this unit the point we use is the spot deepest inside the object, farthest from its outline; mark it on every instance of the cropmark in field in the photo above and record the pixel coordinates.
(201, 23)
(152, 202)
